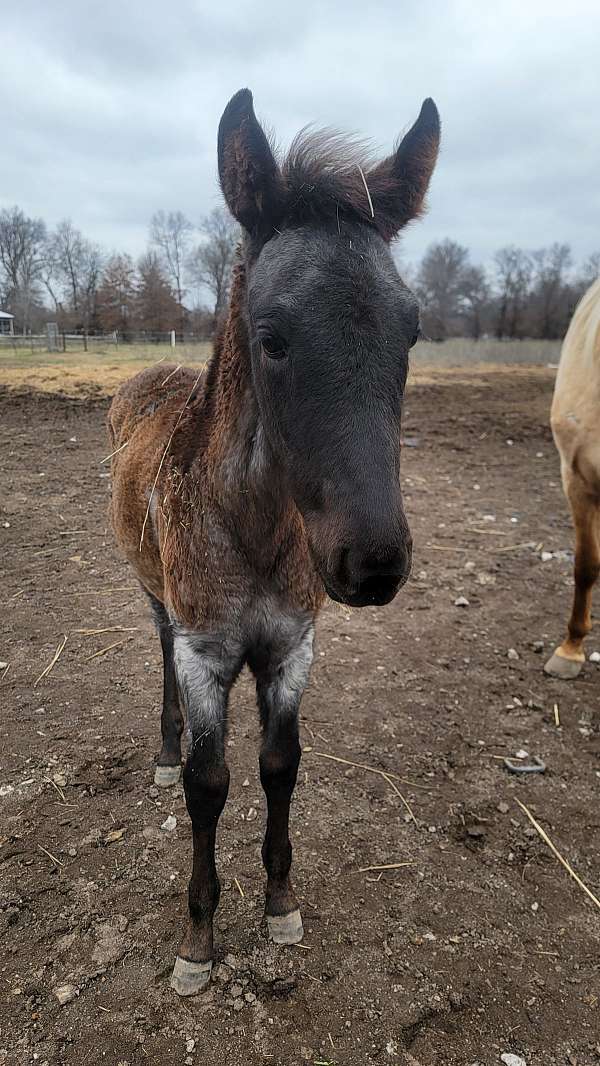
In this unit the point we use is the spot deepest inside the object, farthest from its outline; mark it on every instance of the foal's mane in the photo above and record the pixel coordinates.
(326, 176)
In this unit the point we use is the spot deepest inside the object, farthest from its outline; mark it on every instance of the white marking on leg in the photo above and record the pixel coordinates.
(201, 684)
(292, 675)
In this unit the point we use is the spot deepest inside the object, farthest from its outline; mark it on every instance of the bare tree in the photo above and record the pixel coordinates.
(590, 271)
(71, 274)
(513, 269)
(171, 232)
(475, 299)
(21, 258)
(440, 284)
(551, 296)
(211, 261)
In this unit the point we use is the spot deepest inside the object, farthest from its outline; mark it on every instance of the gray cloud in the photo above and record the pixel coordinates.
(110, 110)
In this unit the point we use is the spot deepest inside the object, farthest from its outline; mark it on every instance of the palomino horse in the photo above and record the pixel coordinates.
(242, 497)
(576, 428)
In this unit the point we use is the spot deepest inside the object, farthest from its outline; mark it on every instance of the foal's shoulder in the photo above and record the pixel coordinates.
(163, 385)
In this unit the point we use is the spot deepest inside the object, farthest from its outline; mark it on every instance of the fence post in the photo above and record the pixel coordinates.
(85, 342)
(172, 338)
(64, 336)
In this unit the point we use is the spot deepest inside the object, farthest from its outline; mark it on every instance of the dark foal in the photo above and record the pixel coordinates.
(244, 496)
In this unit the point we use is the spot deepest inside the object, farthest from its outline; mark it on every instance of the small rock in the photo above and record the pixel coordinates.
(153, 792)
(3, 665)
(235, 991)
(249, 997)
(512, 1060)
(469, 566)
(169, 824)
(512, 653)
(461, 601)
(190, 1045)
(252, 814)
(503, 808)
(238, 1004)
(538, 646)
(546, 557)
(521, 754)
(231, 961)
(594, 657)
(245, 783)
(535, 907)
(65, 993)
(115, 834)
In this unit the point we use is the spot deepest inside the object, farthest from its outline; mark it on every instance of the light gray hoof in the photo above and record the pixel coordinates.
(188, 978)
(565, 669)
(165, 776)
(286, 928)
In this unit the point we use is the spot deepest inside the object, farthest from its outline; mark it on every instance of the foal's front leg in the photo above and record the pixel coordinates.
(204, 681)
(280, 689)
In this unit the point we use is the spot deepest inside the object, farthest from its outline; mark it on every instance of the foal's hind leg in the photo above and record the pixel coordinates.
(280, 687)
(569, 657)
(168, 770)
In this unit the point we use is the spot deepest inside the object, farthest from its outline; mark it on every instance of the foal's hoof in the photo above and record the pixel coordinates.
(565, 669)
(190, 977)
(285, 928)
(165, 776)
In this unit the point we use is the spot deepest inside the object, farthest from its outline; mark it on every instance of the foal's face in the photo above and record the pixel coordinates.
(331, 324)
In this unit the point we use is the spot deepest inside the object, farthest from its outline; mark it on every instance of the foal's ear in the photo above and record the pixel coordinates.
(398, 185)
(250, 177)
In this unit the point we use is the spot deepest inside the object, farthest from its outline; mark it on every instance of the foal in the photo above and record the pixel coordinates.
(247, 494)
(575, 426)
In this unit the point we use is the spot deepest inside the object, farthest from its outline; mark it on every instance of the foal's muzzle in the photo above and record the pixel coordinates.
(370, 578)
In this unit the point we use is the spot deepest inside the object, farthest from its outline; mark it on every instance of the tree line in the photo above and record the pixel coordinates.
(182, 281)
(522, 293)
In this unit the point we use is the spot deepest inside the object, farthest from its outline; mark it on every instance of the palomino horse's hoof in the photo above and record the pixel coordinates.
(190, 977)
(165, 776)
(286, 928)
(565, 669)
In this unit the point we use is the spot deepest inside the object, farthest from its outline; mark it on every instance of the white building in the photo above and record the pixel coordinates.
(6, 323)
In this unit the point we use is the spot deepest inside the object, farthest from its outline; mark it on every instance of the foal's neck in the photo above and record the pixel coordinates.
(238, 455)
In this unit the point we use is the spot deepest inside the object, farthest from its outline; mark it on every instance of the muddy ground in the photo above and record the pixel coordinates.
(482, 945)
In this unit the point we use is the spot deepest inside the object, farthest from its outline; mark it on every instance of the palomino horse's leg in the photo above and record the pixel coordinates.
(568, 659)
(204, 682)
(279, 691)
(168, 770)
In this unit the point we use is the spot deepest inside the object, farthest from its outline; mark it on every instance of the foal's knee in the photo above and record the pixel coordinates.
(279, 767)
(206, 789)
(586, 573)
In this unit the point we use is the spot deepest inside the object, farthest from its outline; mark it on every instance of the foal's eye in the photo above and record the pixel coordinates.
(273, 346)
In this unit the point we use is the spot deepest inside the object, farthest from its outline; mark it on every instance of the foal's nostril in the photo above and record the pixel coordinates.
(393, 564)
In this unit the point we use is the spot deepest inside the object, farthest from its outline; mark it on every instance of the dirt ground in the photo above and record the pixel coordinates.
(474, 943)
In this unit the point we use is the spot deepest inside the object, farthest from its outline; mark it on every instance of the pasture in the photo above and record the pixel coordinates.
(439, 926)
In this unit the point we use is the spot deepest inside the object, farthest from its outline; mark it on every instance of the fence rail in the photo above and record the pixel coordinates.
(58, 341)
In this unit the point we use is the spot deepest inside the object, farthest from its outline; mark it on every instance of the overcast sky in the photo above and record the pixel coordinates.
(110, 110)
